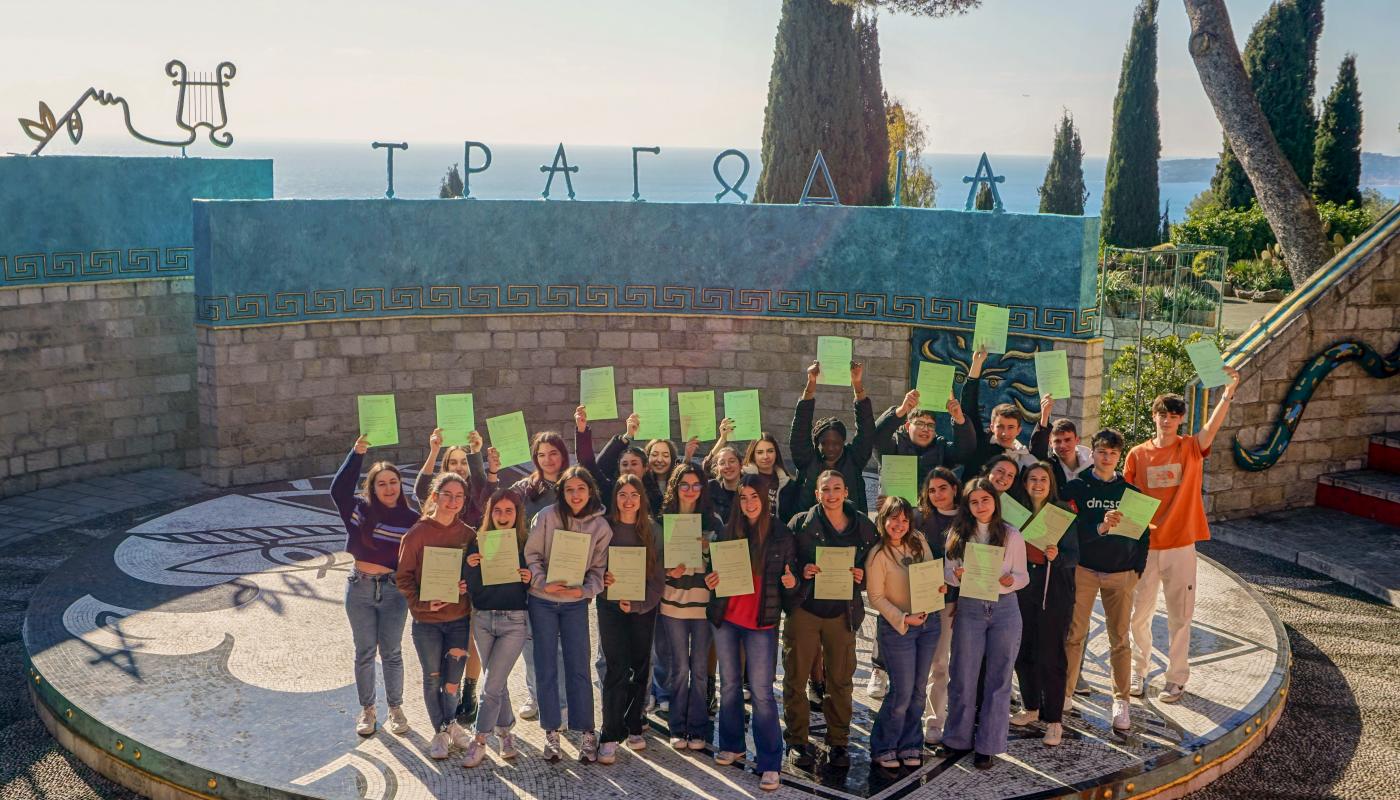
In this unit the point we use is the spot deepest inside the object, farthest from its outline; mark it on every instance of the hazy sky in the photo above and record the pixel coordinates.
(663, 72)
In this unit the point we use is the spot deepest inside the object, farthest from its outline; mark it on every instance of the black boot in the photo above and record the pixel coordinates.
(466, 709)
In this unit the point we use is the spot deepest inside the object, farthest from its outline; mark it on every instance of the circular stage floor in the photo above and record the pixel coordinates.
(205, 652)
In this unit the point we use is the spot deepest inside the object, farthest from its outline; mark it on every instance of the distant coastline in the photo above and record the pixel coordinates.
(1377, 169)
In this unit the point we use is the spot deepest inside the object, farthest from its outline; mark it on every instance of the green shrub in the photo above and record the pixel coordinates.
(1165, 368)
(1256, 275)
(1208, 266)
(1246, 232)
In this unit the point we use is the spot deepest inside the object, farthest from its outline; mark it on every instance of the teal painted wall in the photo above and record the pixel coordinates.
(293, 260)
(81, 218)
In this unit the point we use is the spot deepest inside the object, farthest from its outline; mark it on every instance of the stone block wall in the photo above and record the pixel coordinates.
(1346, 409)
(98, 379)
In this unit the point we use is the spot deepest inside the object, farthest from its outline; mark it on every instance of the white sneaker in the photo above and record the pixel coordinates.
(879, 684)
(440, 746)
(769, 781)
(1172, 693)
(666, 707)
(607, 754)
(398, 721)
(530, 710)
(508, 749)
(365, 723)
(460, 738)
(551, 746)
(1054, 733)
(1025, 717)
(1136, 684)
(635, 742)
(697, 743)
(475, 752)
(1121, 720)
(724, 758)
(933, 730)
(588, 748)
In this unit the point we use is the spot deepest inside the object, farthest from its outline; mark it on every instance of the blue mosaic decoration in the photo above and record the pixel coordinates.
(468, 170)
(636, 187)
(743, 159)
(1006, 377)
(390, 147)
(561, 164)
(832, 199)
(981, 176)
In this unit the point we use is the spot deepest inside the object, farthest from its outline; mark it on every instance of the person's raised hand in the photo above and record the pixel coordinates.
(435, 440)
(911, 402)
(581, 418)
(361, 445)
(691, 446)
(979, 358)
(634, 423)
(955, 410)
(726, 429)
(493, 459)
(474, 442)
(857, 374)
(814, 370)
(1047, 406)
(789, 580)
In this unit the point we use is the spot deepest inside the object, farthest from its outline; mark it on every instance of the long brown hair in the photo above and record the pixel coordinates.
(964, 526)
(367, 489)
(898, 507)
(778, 465)
(511, 496)
(561, 507)
(671, 503)
(1018, 489)
(937, 473)
(643, 525)
(738, 526)
(442, 479)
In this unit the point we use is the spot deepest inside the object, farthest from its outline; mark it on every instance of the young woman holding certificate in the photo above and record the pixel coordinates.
(539, 489)
(908, 629)
(764, 459)
(753, 580)
(627, 616)
(429, 576)
(1047, 602)
(497, 581)
(683, 625)
(986, 558)
(938, 505)
(567, 554)
(375, 521)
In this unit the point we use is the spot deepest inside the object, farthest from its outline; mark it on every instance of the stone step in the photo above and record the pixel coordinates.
(1383, 452)
(1367, 493)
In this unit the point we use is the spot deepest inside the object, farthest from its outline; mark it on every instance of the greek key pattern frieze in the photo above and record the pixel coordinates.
(31, 269)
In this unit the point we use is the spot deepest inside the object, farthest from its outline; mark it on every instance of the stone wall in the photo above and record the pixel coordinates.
(98, 378)
(279, 401)
(1361, 305)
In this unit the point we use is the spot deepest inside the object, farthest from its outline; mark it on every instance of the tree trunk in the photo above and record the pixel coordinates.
(1285, 202)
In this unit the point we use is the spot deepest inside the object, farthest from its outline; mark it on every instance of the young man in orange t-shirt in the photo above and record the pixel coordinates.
(1169, 467)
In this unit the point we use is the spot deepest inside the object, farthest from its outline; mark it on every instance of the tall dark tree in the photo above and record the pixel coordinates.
(872, 95)
(1281, 59)
(984, 200)
(814, 103)
(1167, 223)
(1337, 166)
(451, 185)
(918, 8)
(1130, 214)
(1063, 191)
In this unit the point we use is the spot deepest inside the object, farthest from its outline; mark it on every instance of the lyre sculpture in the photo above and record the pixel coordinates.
(201, 105)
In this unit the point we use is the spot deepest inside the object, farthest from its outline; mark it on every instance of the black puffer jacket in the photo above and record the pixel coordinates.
(814, 530)
(892, 439)
(779, 553)
(807, 458)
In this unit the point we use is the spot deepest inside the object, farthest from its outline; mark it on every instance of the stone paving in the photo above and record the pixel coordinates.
(221, 638)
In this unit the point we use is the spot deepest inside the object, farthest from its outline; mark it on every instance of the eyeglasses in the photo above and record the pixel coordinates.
(927, 426)
(690, 487)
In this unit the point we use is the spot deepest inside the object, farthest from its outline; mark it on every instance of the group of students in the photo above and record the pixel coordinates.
(956, 665)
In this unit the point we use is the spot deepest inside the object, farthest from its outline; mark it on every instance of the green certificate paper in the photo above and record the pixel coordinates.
(440, 574)
(456, 415)
(1137, 511)
(568, 557)
(598, 393)
(1012, 512)
(509, 437)
(653, 408)
(835, 354)
(697, 411)
(835, 581)
(925, 579)
(935, 386)
(731, 561)
(680, 541)
(742, 407)
(981, 572)
(992, 325)
(899, 477)
(1048, 526)
(1206, 359)
(379, 422)
(628, 566)
(1052, 374)
(500, 558)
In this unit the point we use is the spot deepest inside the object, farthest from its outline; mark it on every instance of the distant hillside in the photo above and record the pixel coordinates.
(1377, 169)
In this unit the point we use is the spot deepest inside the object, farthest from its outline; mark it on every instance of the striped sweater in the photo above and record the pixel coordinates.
(369, 536)
(687, 597)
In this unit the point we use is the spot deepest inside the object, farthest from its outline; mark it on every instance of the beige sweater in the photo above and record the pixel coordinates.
(887, 584)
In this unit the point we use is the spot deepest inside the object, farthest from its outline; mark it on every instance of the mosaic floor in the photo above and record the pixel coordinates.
(215, 636)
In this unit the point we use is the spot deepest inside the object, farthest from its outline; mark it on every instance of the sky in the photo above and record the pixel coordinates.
(650, 72)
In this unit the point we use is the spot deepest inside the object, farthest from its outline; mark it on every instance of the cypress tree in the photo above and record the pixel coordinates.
(451, 185)
(814, 103)
(1337, 168)
(872, 93)
(1281, 59)
(1063, 191)
(984, 201)
(1130, 198)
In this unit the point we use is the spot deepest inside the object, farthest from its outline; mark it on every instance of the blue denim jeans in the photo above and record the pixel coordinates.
(528, 656)
(435, 642)
(377, 614)
(500, 638)
(907, 658)
(760, 657)
(562, 627)
(991, 630)
(662, 663)
(689, 642)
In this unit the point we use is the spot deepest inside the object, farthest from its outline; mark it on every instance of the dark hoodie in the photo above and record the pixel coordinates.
(892, 439)
(813, 529)
(1092, 498)
(807, 457)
